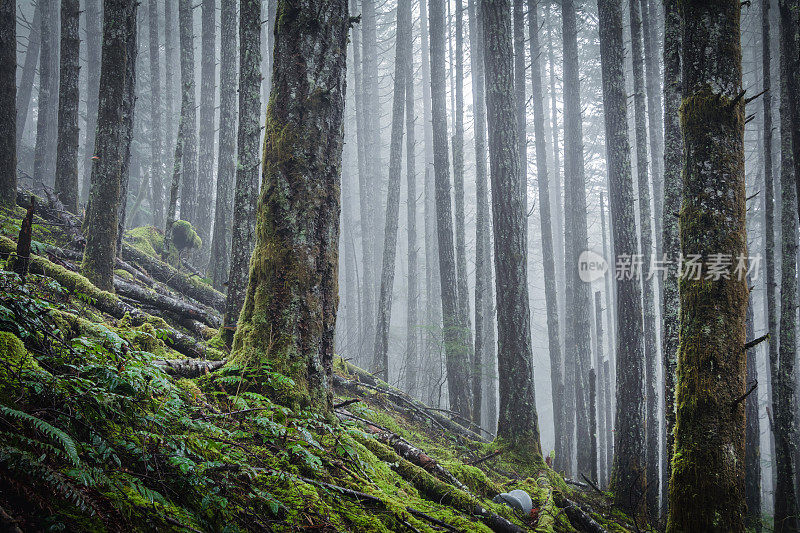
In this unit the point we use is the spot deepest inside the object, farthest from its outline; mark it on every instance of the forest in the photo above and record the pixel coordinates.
(399, 265)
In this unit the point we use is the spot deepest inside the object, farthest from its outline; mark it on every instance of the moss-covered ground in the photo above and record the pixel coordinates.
(95, 436)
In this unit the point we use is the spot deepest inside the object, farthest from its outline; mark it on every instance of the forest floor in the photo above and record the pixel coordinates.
(119, 413)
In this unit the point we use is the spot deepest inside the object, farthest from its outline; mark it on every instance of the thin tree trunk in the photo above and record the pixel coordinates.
(226, 156)
(296, 255)
(456, 353)
(707, 485)
(412, 315)
(551, 299)
(66, 179)
(518, 20)
(578, 332)
(646, 243)
(172, 124)
(601, 397)
(115, 118)
(93, 21)
(188, 125)
(752, 475)
(156, 127)
(205, 160)
(790, 46)
(670, 241)
(28, 69)
(8, 102)
(593, 423)
(609, 371)
(786, 519)
(609, 407)
(518, 422)
(628, 472)
(380, 361)
(249, 134)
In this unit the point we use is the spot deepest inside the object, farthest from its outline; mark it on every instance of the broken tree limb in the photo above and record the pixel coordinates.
(165, 303)
(23, 249)
(484, 458)
(188, 368)
(174, 278)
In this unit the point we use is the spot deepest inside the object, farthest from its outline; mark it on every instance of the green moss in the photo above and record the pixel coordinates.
(474, 478)
(147, 239)
(184, 236)
(15, 362)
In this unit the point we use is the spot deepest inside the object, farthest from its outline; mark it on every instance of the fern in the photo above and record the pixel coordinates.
(46, 429)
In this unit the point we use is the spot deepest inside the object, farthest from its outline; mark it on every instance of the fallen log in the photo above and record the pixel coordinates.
(188, 368)
(580, 519)
(174, 278)
(165, 303)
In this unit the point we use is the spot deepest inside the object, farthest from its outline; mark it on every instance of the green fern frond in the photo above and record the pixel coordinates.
(46, 429)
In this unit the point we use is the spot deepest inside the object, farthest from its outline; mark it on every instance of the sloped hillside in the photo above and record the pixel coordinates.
(119, 413)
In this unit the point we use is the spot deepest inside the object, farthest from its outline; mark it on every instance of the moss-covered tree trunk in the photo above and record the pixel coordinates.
(790, 47)
(8, 103)
(670, 240)
(456, 354)
(628, 476)
(156, 127)
(115, 112)
(249, 133)
(518, 421)
(66, 179)
(785, 422)
(380, 352)
(289, 315)
(226, 157)
(707, 485)
(646, 243)
(548, 262)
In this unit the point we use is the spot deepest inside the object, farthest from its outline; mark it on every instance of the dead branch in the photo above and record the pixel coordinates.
(188, 368)
(484, 458)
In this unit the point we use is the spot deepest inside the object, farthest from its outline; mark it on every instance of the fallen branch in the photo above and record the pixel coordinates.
(432, 520)
(592, 484)
(755, 342)
(484, 458)
(342, 405)
(165, 303)
(188, 368)
(580, 519)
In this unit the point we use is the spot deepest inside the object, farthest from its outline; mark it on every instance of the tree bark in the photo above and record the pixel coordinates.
(248, 136)
(600, 406)
(93, 19)
(646, 243)
(707, 485)
(752, 475)
(115, 114)
(518, 421)
(628, 473)
(545, 217)
(380, 353)
(670, 241)
(66, 179)
(48, 85)
(518, 21)
(785, 427)
(8, 103)
(28, 70)
(226, 157)
(412, 315)
(454, 339)
(289, 315)
(790, 47)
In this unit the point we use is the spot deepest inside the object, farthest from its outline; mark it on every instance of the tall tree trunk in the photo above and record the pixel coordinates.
(790, 47)
(412, 315)
(579, 297)
(93, 19)
(172, 125)
(296, 255)
(28, 69)
(707, 485)
(66, 179)
(8, 103)
(646, 243)
(48, 84)
(205, 161)
(608, 371)
(482, 257)
(518, 20)
(456, 353)
(783, 391)
(115, 119)
(188, 124)
(226, 156)
(372, 173)
(156, 127)
(628, 472)
(518, 422)
(670, 240)
(752, 475)
(380, 361)
(601, 397)
(551, 299)
(248, 136)
(458, 188)
(609, 407)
